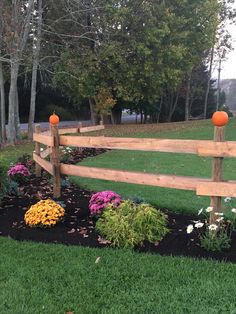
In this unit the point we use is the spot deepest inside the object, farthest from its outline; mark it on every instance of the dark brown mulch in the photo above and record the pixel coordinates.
(78, 228)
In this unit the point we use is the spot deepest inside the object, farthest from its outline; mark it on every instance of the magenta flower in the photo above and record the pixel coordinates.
(18, 172)
(101, 200)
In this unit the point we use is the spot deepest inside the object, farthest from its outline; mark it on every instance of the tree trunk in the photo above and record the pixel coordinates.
(187, 98)
(91, 107)
(11, 134)
(3, 111)
(173, 107)
(116, 115)
(17, 116)
(160, 108)
(208, 83)
(36, 52)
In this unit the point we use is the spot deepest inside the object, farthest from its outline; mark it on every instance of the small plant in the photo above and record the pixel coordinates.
(13, 188)
(101, 200)
(135, 199)
(65, 183)
(215, 241)
(18, 173)
(215, 236)
(66, 154)
(131, 224)
(45, 213)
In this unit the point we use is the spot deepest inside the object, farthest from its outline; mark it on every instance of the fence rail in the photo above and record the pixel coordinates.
(199, 147)
(215, 187)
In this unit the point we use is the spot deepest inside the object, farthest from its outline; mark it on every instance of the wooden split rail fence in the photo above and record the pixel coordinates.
(218, 149)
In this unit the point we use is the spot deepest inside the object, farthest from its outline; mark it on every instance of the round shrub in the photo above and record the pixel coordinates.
(131, 224)
(101, 200)
(18, 173)
(45, 213)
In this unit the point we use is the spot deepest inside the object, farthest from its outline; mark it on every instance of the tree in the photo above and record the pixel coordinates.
(36, 52)
(2, 90)
(221, 41)
(17, 16)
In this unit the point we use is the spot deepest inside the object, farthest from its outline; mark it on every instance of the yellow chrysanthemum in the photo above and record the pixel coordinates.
(44, 213)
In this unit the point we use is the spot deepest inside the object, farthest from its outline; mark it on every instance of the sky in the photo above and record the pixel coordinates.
(229, 66)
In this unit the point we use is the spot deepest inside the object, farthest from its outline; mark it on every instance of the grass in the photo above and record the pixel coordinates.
(10, 154)
(163, 163)
(40, 278)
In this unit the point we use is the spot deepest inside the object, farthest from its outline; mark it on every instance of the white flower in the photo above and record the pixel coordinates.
(220, 219)
(233, 210)
(200, 211)
(219, 214)
(41, 149)
(199, 225)
(209, 209)
(227, 199)
(213, 227)
(190, 229)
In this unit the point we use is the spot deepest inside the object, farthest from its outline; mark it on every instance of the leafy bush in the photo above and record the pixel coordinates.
(131, 224)
(18, 173)
(4, 182)
(45, 213)
(101, 200)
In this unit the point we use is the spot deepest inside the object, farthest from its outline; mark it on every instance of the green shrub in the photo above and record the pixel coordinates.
(130, 224)
(4, 182)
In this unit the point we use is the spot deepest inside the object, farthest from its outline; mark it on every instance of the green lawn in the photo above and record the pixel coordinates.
(163, 163)
(10, 154)
(40, 278)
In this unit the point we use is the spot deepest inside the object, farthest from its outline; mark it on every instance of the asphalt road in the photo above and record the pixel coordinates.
(45, 125)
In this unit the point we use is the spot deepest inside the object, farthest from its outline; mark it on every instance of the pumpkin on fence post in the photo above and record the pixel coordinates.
(54, 119)
(219, 120)
(55, 159)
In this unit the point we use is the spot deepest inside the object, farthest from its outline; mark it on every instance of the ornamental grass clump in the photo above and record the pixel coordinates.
(101, 200)
(45, 213)
(18, 173)
(131, 224)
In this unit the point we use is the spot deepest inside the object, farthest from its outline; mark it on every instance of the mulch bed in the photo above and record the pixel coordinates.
(78, 228)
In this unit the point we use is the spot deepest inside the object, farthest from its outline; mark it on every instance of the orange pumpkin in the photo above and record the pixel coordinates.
(220, 118)
(54, 119)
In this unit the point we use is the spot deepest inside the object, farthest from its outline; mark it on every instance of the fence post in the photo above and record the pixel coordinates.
(55, 160)
(38, 169)
(217, 166)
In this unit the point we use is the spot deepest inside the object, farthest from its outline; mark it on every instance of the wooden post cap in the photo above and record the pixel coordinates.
(54, 119)
(220, 118)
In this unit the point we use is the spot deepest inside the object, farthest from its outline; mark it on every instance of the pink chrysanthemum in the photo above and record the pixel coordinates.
(101, 200)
